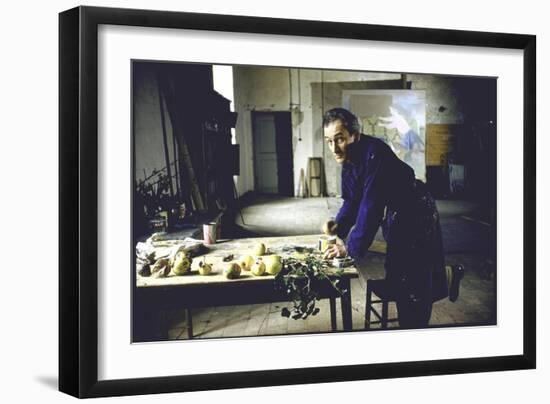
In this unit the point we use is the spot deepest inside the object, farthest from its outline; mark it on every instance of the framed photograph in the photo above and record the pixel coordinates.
(251, 201)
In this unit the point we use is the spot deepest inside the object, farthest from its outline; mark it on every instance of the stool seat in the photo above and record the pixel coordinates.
(380, 289)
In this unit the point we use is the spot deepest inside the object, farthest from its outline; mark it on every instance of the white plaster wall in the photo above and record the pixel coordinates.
(440, 91)
(304, 127)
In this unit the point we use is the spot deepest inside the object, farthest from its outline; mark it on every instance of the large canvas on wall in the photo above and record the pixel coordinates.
(396, 116)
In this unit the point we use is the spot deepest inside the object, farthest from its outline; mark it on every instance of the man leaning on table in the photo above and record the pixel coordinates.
(378, 189)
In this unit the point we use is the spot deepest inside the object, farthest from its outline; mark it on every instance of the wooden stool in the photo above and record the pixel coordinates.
(379, 288)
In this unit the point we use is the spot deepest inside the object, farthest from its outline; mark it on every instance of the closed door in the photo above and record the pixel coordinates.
(265, 153)
(272, 137)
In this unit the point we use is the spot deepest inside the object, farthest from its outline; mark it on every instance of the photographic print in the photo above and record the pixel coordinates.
(286, 200)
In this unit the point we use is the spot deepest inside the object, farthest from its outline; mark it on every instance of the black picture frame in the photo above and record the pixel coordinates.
(78, 196)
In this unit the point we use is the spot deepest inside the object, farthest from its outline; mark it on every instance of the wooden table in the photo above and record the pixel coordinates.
(152, 295)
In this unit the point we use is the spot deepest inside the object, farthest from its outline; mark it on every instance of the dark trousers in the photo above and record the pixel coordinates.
(414, 314)
(415, 264)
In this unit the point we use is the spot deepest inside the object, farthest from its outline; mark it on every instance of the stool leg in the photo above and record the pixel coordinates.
(189, 323)
(385, 314)
(368, 307)
(163, 324)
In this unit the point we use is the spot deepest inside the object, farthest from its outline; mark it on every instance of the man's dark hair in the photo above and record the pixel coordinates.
(349, 120)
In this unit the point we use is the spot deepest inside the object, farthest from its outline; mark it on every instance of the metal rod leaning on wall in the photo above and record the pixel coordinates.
(164, 141)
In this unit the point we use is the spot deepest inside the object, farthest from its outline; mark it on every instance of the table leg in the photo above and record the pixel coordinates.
(163, 324)
(345, 301)
(189, 319)
(147, 321)
(333, 325)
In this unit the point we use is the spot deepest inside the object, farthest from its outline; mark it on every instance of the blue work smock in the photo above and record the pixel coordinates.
(380, 189)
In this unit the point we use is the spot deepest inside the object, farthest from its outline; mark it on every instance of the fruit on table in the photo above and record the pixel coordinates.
(299, 256)
(161, 268)
(273, 264)
(182, 263)
(246, 262)
(204, 268)
(259, 249)
(143, 269)
(232, 270)
(258, 268)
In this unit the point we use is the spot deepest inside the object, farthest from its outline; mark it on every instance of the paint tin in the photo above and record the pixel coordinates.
(325, 241)
(210, 232)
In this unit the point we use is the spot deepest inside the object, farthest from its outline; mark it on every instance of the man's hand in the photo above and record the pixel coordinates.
(335, 250)
(395, 121)
(330, 227)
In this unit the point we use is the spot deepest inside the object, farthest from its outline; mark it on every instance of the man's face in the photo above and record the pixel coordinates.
(338, 138)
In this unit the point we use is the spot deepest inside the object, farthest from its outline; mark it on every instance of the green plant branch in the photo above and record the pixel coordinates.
(301, 282)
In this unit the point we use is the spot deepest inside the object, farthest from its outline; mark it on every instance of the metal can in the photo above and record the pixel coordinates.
(210, 233)
(325, 241)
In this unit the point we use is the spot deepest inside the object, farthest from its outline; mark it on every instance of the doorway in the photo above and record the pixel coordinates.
(272, 145)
